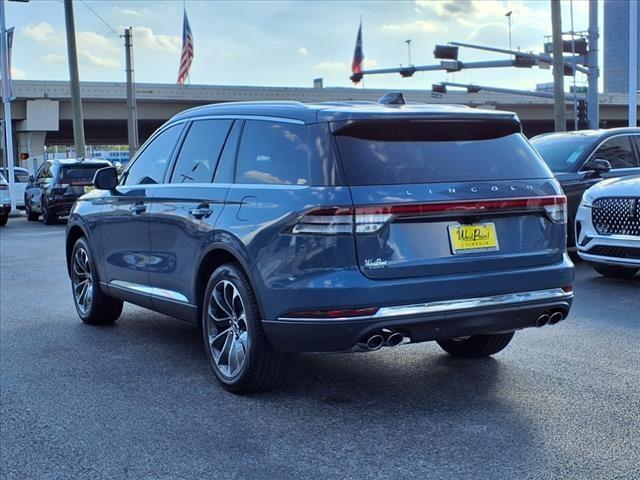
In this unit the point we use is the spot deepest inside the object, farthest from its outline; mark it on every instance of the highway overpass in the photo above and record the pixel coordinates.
(42, 109)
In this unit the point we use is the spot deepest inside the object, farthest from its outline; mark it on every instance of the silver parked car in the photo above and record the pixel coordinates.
(608, 227)
(5, 201)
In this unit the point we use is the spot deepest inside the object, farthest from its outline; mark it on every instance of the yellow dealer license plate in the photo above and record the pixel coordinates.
(480, 237)
(88, 188)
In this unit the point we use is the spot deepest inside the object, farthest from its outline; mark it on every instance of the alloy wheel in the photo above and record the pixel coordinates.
(82, 281)
(227, 332)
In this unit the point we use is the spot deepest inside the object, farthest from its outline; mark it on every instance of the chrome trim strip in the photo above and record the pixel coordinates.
(618, 261)
(448, 306)
(148, 290)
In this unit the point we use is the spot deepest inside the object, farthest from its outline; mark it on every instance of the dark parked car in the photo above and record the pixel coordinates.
(57, 185)
(285, 227)
(583, 158)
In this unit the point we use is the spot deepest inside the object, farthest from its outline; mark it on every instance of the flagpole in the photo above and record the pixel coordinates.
(363, 59)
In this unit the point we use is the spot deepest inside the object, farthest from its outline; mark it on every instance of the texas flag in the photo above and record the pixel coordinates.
(358, 57)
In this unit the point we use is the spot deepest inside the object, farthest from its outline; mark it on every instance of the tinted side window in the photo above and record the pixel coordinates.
(45, 172)
(150, 165)
(273, 153)
(200, 151)
(21, 177)
(227, 163)
(618, 151)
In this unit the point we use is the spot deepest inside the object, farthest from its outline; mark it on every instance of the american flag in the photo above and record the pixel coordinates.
(187, 51)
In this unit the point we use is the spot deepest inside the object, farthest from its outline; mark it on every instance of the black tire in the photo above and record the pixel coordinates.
(101, 309)
(476, 346)
(614, 271)
(31, 216)
(257, 366)
(48, 217)
(4, 219)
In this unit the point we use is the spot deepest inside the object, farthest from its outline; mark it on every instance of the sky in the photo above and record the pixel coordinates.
(282, 43)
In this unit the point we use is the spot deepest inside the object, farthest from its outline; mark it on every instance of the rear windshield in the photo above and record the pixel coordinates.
(79, 174)
(428, 153)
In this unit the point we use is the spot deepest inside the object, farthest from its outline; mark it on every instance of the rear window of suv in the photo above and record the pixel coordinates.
(79, 174)
(399, 152)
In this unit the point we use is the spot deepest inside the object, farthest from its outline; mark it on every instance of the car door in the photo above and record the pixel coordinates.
(34, 192)
(124, 223)
(183, 214)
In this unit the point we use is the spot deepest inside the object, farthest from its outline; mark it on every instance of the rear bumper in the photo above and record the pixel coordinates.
(61, 207)
(5, 209)
(420, 322)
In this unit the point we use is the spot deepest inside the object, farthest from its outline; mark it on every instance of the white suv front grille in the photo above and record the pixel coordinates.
(616, 216)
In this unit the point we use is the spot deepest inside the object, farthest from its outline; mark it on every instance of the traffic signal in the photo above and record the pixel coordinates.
(356, 77)
(407, 71)
(438, 88)
(583, 122)
(446, 52)
(524, 61)
(473, 89)
(580, 46)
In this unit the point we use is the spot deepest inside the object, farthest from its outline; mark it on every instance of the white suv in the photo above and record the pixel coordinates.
(608, 227)
(5, 201)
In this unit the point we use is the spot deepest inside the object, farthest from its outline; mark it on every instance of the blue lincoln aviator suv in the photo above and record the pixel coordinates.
(286, 227)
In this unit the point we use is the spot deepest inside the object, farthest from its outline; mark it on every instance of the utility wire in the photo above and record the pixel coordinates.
(113, 30)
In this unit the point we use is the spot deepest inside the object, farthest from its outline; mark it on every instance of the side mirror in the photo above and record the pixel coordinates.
(106, 179)
(601, 166)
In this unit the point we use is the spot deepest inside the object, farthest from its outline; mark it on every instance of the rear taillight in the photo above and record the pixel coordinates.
(557, 210)
(326, 221)
(372, 218)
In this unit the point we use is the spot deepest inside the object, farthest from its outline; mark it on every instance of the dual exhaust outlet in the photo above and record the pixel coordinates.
(549, 318)
(384, 338)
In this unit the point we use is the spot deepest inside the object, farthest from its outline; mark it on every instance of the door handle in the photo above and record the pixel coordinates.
(201, 211)
(138, 208)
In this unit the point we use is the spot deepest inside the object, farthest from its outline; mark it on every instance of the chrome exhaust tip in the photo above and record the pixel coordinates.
(395, 339)
(555, 318)
(374, 342)
(542, 320)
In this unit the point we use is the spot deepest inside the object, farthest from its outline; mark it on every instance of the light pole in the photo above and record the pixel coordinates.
(508, 15)
(408, 42)
(633, 64)
(6, 101)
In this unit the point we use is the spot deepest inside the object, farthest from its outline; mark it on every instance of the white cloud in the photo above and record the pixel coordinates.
(41, 33)
(92, 60)
(146, 38)
(18, 74)
(303, 51)
(92, 42)
(369, 63)
(54, 59)
(418, 26)
(331, 66)
(128, 12)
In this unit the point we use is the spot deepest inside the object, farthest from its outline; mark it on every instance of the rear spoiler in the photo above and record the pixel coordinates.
(466, 127)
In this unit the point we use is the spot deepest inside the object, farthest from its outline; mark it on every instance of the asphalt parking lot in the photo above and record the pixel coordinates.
(137, 400)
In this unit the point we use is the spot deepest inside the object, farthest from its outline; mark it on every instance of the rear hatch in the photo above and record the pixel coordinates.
(449, 197)
(74, 180)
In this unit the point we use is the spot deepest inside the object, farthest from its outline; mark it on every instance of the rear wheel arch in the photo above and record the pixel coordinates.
(216, 256)
(74, 233)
